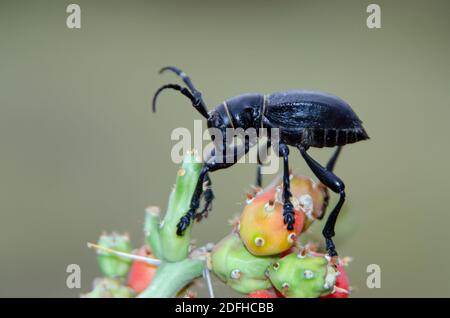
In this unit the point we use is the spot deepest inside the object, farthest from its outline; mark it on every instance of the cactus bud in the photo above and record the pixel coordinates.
(262, 227)
(112, 265)
(307, 276)
(234, 265)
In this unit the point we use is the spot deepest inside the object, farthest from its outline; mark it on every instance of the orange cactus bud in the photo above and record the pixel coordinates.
(307, 196)
(262, 227)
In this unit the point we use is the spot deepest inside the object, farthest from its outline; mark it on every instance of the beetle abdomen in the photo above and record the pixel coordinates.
(313, 119)
(332, 137)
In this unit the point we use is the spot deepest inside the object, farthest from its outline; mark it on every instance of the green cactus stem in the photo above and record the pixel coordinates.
(170, 278)
(177, 269)
(163, 239)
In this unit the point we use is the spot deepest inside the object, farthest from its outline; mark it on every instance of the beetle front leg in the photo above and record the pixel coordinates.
(195, 202)
(208, 193)
(288, 208)
(208, 196)
(336, 185)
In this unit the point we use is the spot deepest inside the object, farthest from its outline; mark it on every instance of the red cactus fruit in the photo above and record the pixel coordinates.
(141, 273)
(262, 227)
(262, 294)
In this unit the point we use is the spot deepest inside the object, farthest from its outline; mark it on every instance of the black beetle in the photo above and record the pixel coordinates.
(304, 119)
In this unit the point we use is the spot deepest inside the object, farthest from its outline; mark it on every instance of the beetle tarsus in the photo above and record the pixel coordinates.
(209, 197)
(288, 215)
(182, 225)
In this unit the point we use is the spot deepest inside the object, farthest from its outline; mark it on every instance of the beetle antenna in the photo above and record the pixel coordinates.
(195, 92)
(181, 74)
(183, 90)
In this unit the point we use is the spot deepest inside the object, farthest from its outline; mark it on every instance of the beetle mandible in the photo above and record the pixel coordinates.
(304, 118)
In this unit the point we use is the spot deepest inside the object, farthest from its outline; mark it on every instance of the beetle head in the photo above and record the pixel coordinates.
(217, 125)
(220, 118)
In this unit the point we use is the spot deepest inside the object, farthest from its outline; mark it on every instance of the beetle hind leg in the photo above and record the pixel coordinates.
(333, 182)
(330, 166)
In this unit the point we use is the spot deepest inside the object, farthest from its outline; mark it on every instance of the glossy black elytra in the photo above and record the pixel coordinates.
(304, 118)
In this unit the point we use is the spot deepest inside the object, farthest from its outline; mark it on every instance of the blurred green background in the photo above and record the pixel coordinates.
(81, 152)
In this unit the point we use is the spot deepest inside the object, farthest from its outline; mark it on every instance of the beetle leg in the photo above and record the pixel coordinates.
(288, 208)
(333, 182)
(330, 166)
(227, 160)
(209, 197)
(332, 162)
(208, 194)
(195, 203)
